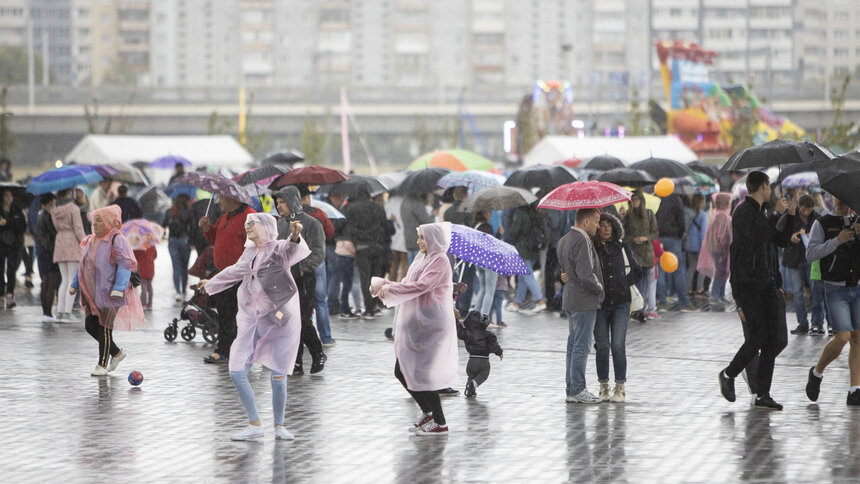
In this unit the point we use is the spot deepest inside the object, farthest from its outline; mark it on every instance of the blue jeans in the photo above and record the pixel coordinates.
(410, 256)
(180, 252)
(581, 327)
(487, 294)
(529, 282)
(798, 275)
(497, 305)
(346, 270)
(677, 280)
(332, 279)
(843, 307)
(321, 305)
(718, 288)
(646, 286)
(246, 394)
(611, 325)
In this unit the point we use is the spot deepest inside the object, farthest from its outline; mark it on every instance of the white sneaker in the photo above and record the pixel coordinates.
(539, 308)
(618, 395)
(99, 371)
(252, 432)
(48, 319)
(604, 392)
(178, 297)
(282, 434)
(584, 397)
(115, 360)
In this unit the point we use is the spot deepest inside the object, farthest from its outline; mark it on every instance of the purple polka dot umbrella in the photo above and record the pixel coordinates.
(486, 251)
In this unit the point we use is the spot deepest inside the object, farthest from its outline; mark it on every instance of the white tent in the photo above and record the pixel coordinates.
(629, 150)
(219, 151)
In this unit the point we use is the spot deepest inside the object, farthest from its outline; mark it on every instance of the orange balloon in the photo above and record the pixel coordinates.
(668, 261)
(664, 187)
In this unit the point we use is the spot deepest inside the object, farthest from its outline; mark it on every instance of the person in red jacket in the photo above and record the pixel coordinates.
(146, 268)
(227, 237)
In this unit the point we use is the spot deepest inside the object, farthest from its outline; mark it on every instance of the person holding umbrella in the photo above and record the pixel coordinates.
(179, 223)
(49, 271)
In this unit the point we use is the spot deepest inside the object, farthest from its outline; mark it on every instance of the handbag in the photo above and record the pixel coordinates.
(636, 300)
(134, 279)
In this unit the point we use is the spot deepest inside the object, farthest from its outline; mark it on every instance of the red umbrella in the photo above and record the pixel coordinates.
(312, 175)
(570, 162)
(584, 194)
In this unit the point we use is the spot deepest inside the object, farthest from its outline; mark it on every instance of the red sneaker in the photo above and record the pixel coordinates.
(433, 429)
(425, 420)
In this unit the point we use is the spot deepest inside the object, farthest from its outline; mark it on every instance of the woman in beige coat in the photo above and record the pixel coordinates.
(67, 253)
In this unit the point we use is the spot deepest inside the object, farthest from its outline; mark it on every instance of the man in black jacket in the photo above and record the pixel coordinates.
(672, 227)
(367, 227)
(757, 288)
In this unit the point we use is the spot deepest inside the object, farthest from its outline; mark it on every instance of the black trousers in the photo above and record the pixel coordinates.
(27, 257)
(478, 369)
(306, 284)
(227, 306)
(370, 263)
(551, 274)
(464, 300)
(10, 259)
(104, 336)
(428, 401)
(48, 290)
(765, 335)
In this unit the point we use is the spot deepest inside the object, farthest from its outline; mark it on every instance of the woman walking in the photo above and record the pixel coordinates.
(640, 231)
(714, 257)
(12, 228)
(66, 217)
(103, 275)
(620, 271)
(269, 319)
(179, 222)
(425, 335)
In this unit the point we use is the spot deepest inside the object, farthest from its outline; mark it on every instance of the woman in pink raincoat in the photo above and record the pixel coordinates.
(103, 275)
(425, 334)
(714, 256)
(269, 322)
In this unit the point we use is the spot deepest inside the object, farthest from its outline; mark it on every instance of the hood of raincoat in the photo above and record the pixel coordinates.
(437, 236)
(617, 228)
(476, 321)
(266, 227)
(110, 215)
(293, 198)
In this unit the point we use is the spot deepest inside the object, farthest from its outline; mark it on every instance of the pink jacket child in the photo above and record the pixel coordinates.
(425, 334)
(109, 300)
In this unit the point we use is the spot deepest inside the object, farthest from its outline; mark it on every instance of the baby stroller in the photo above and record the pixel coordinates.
(196, 310)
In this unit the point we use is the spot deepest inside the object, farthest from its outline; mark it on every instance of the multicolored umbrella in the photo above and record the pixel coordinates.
(62, 178)
(498, 198)
(169, 161)
(454, 160)
(473, 180)
(486, 251)
(584, 194)
(215, 183)
(540, 176)
(802, 179)
(327, 208)
(312, 175)
(142, 234)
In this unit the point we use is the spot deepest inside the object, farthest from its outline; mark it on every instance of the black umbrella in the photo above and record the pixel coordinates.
(256, 174)
(422, 181)
(840, 177)
(778, 153)
(603, 162)
(662, 168)
(540, 176)
(284, 158)
(353, 185)
(700, 167)
(627, 177)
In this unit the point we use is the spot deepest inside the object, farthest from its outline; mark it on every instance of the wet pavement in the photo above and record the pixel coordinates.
(351, 420)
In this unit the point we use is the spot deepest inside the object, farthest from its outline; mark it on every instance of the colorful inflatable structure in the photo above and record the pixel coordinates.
(702, 113)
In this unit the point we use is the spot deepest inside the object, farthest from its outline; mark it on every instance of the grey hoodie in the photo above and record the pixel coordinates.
(312, 230)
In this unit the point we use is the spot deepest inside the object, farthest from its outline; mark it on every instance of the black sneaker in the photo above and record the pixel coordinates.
(800, 330)
(470, 389)
(816, 331)
(448, 392)
(854, 398)
(813, 385)
(367, 315)
(767, 403)
(298, 370)
(389, 333)
(727, 386)
(318, 364)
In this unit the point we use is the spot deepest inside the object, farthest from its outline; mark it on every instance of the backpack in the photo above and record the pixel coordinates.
(538, 235)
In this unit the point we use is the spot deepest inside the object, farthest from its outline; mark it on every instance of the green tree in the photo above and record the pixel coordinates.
(314, 140)
(13, 65)
(8, 139)
(637, 119)
(120, 73)
(842, 135)
(218, 124)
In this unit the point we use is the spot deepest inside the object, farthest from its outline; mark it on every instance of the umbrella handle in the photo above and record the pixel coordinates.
(208, 205)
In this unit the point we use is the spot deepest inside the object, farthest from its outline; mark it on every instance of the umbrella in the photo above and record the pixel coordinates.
(473, 180)
(260, 174)
(698, 183)
(777, 153)
(153, 196)
(802, 179)
(498, 198)
(569, 162)
(486, 251)
(284, 158)
(174, 189)
(700, 167)
(584, 194)
(169, 161)
(312, 175)
(421, 181)
(142, 234)
(62, 178)
(840, 177)
(215, 183)
(663, 168)
(454, 160)
(129, 174)
(106, 171)
(627, 177)
(392, 180)
(603, 162)
(327, 208)
(353, 185)
(540, 176)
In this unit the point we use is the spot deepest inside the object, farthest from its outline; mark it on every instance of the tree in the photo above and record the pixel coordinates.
(8, 139)
(314, 139)
(842, 135)
(254, 140)
(120, 73)
(637, 120)
(123, 122)
(13, 65)
(742, 131)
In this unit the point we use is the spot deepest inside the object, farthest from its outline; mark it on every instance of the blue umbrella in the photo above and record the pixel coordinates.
(175, 189)
(486, 251)
(473, 180)
(62, 178)
(169, 161)
(327, 208)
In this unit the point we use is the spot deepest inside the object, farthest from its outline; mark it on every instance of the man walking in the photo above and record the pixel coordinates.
(581, 298)
(757, 287)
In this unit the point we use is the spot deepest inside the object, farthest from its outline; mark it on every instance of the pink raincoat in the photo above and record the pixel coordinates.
(425, 334)
(265, 334)
(70, 232)
(714, 256)
(100, 257)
